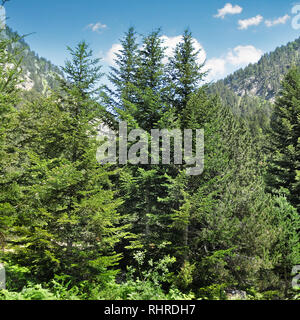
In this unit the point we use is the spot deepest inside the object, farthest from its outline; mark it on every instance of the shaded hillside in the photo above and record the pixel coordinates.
(263, 78)
(38, 73)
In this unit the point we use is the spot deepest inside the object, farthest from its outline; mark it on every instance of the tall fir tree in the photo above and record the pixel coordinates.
(68, 222)
(142, 184)
(150, 86)
(284, 168)
(9, 80)
(185, 72)
(123, 75)
(224, 225)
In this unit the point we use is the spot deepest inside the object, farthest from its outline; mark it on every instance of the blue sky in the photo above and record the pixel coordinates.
(230, 33)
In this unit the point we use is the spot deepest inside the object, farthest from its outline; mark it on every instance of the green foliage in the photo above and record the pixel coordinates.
(17, 277)
(9, 79)
(145, 283)
(285, 140)
(185, 275)
(253, 294)
(34, 292)
(38, 74)
(213, 292)
(185, 73)
(253, 109)
(68, 222)
(287, 247)
(77, 229)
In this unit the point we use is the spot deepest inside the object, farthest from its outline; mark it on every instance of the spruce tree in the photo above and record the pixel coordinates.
(185, 72)
(284, 168)
(223, 221)
(68, 222)
(144, 108)
(123, 75)
(9, 79)
(150, 87)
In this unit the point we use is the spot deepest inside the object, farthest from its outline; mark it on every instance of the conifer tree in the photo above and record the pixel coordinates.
(142, 75)
(150, 86)
(185, 72)
(284, 168)
(286, 250)
(184, 76)
(68, 223)
(9, 79)
(123, 75)
(223, 218)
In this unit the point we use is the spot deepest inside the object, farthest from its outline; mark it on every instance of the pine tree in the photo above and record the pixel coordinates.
(123, 75)
(284, 168)
(185, 72)
(142, 75)
(150, 88)
(286, 250)
(68, 222)
(9, 79)
(223, 221)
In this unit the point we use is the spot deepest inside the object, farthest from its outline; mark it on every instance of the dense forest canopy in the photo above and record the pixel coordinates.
(73, 228)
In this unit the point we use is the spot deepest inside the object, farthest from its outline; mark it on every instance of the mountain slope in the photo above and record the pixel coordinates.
(251, 92)
(263, 78)
(38, 73)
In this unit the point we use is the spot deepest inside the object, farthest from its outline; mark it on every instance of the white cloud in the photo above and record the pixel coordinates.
(228, 9)
(216, 68)
(111, 54)
(243, 55)
(280, 20)
(235, 58)
(170, 44)
(96, 27)
(245, 24)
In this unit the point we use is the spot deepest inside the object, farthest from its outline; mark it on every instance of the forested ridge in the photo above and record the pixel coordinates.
(251, 91)
(38, 74)
(73, 228)
(263, 79)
